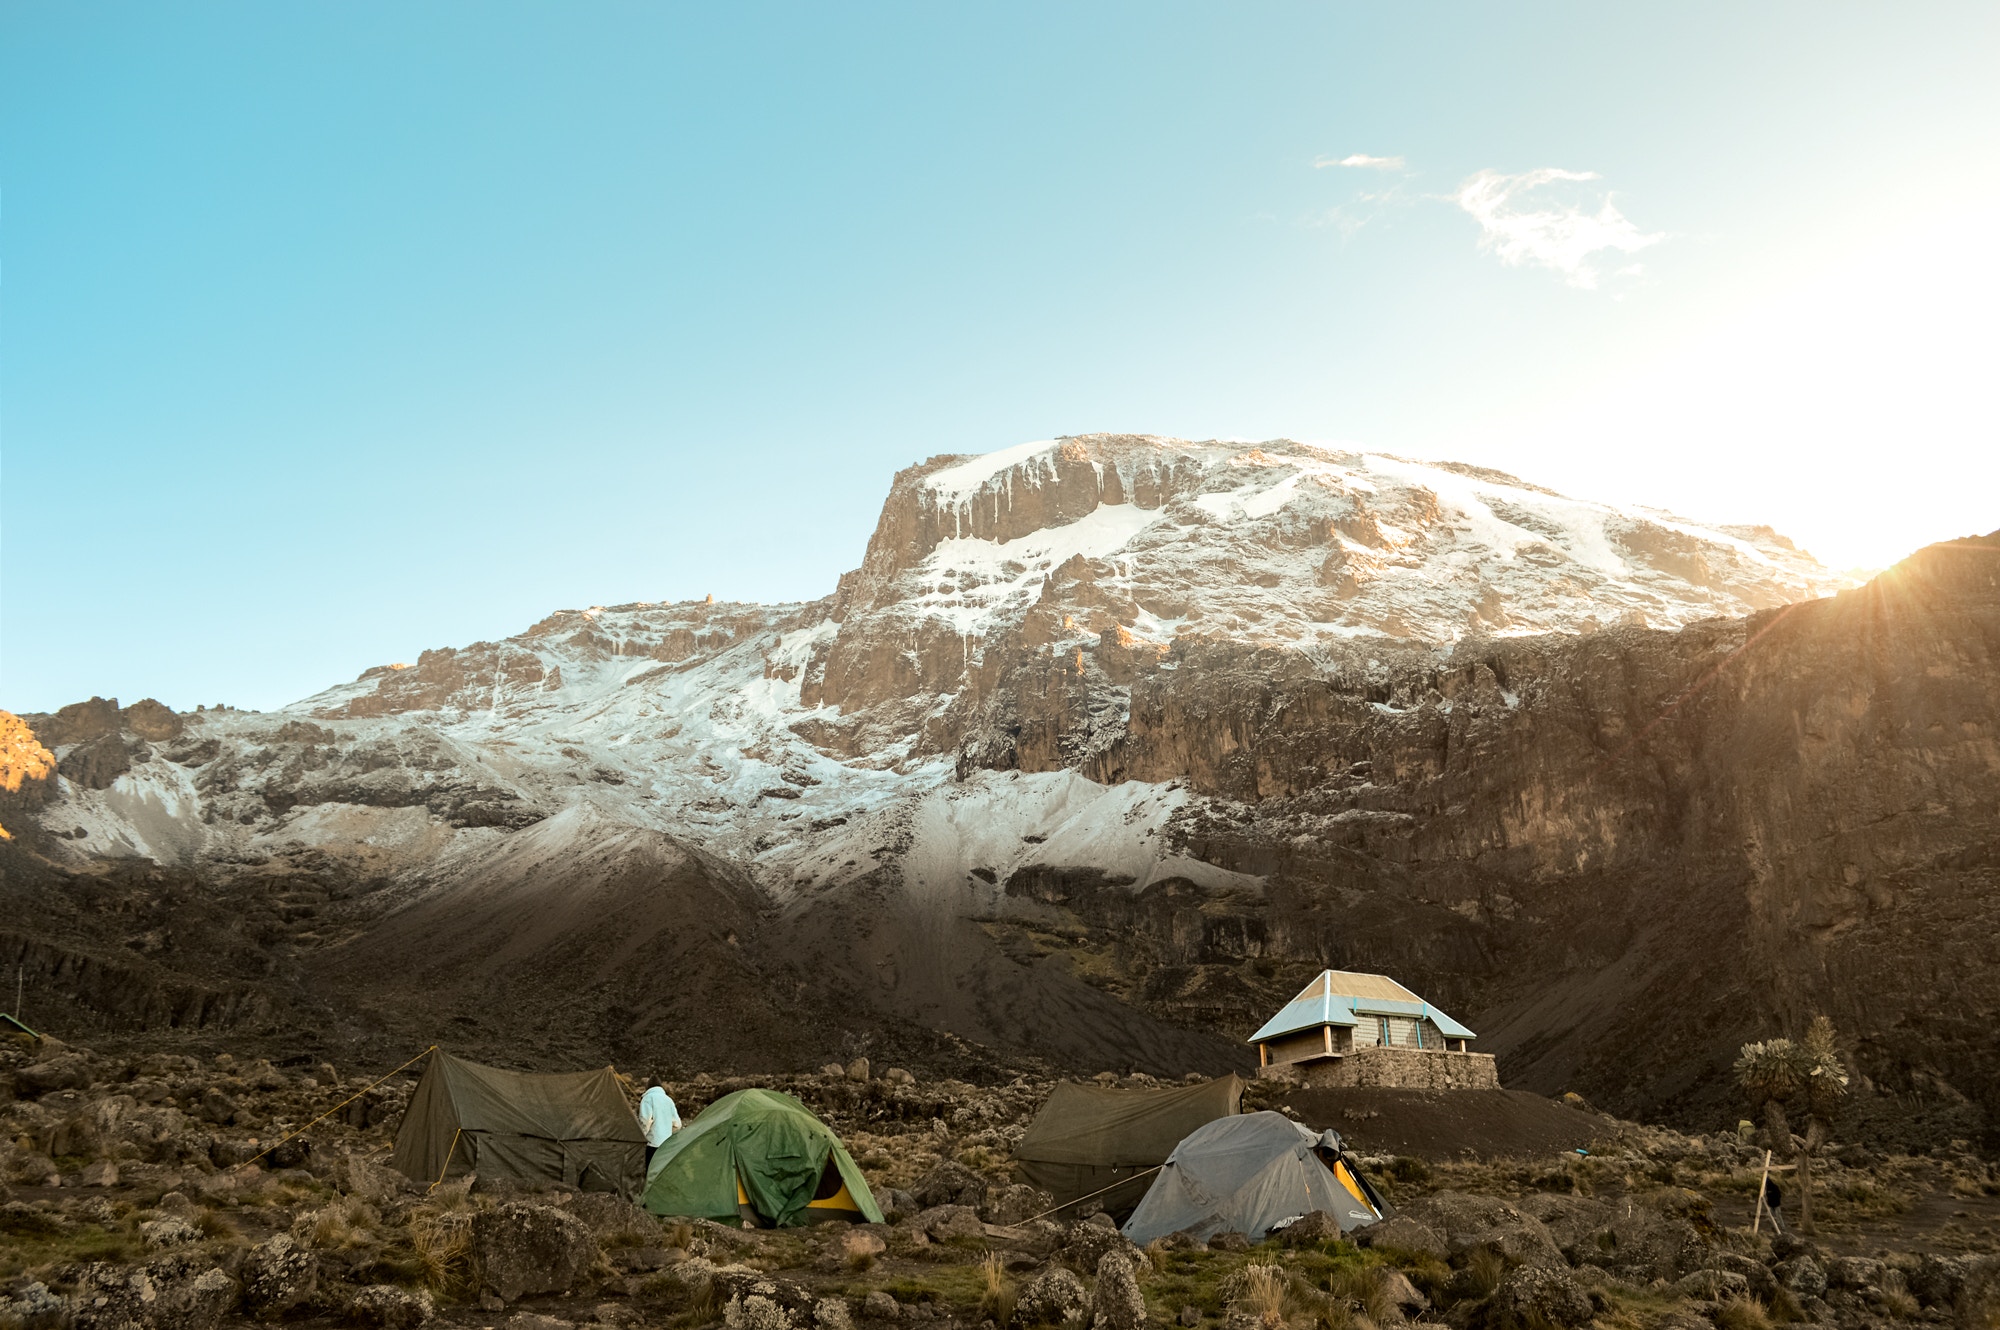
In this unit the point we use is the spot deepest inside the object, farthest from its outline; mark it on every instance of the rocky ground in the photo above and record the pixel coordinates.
(169, 1190)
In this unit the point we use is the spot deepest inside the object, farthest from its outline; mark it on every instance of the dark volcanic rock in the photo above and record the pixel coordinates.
(518, 1249)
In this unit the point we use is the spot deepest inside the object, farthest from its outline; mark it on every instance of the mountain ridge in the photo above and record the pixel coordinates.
(1106, 739)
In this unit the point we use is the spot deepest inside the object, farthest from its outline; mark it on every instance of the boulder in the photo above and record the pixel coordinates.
(950, 1183)
(751, 1292)
(102, 1173)
(537, 1321)
(1398, 1291)
(1853, 1273)
(1755, 1273)
(1802, 1275)
(162, 1234)
(1711, 1285)
(31, 1168)
(368, 1180)
(1015, 1203)
(951, 1223)
(279, 1276)
(1310, 1230)
(1083, 1245)
(1784, 1246)
(1654, 1236)
(858, 1246)
(390, 1308)
(1937, 1280)
(33, 1307)
(897, 1076)
(613, 1219)
(1404, 1234)
(176, 1205)
(1117, 1304)
(519, 1249)
(173, 1293)
(1466, 1222)
(1542, 1295)
(1052, 1297)
(857, 1070)
(66, 1071)
(881, 1305)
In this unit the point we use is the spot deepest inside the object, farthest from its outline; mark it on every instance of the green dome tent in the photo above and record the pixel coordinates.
(758, 1155)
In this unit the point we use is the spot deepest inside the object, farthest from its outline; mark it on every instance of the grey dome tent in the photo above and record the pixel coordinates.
(568, 1127)
(1099, 1142)
(1249, 1175)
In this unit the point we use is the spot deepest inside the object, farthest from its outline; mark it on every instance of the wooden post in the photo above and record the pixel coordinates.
(1757, 1220)
(1263, 1055)
(1327, 1030)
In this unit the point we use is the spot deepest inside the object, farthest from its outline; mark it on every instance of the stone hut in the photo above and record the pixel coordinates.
(1366, 1029)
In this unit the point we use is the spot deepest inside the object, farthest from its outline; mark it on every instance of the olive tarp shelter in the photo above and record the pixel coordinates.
(568, 1127)
(1088, 1138)
(762, 1156)
(1249, 1175)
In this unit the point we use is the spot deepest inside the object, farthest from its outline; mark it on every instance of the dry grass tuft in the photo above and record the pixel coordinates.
(1896, 1300)
(443, 1243)
(217, 1226)
(1484, 1270)
(1742, 1314)
(1367, 1287)
(996, 1299)
(344, 1222)
(1265, 1288)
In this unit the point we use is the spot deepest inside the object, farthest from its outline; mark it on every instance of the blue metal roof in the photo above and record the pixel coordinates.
(1307, 1014)
(1338, 1009)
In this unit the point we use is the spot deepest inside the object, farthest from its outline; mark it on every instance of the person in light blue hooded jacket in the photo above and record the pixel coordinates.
(658, 1118)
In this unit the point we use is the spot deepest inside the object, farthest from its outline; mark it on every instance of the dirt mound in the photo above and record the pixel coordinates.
(1448, 1124)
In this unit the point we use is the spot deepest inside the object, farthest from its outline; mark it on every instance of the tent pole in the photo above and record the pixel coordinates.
(447, 1162)
(1757, 1219)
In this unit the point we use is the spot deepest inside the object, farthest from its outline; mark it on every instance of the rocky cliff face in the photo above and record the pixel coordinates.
(1106, 743)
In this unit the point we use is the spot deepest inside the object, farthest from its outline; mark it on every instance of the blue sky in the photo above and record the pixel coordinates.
(329, 333)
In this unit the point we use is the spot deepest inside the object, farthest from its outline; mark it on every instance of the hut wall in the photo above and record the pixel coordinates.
(1298, 1047)
(1396, 1068)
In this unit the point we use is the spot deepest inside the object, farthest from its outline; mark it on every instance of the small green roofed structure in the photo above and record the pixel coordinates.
(1346, 1028)
(762, 1156)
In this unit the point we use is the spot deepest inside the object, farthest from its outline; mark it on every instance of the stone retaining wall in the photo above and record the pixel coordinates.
(1394, 1068)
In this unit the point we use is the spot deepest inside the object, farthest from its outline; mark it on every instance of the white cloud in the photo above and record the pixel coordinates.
(1525, 221)
(1360, 159)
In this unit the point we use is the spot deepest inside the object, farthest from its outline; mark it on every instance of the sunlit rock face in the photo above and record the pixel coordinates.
(1109, 742)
